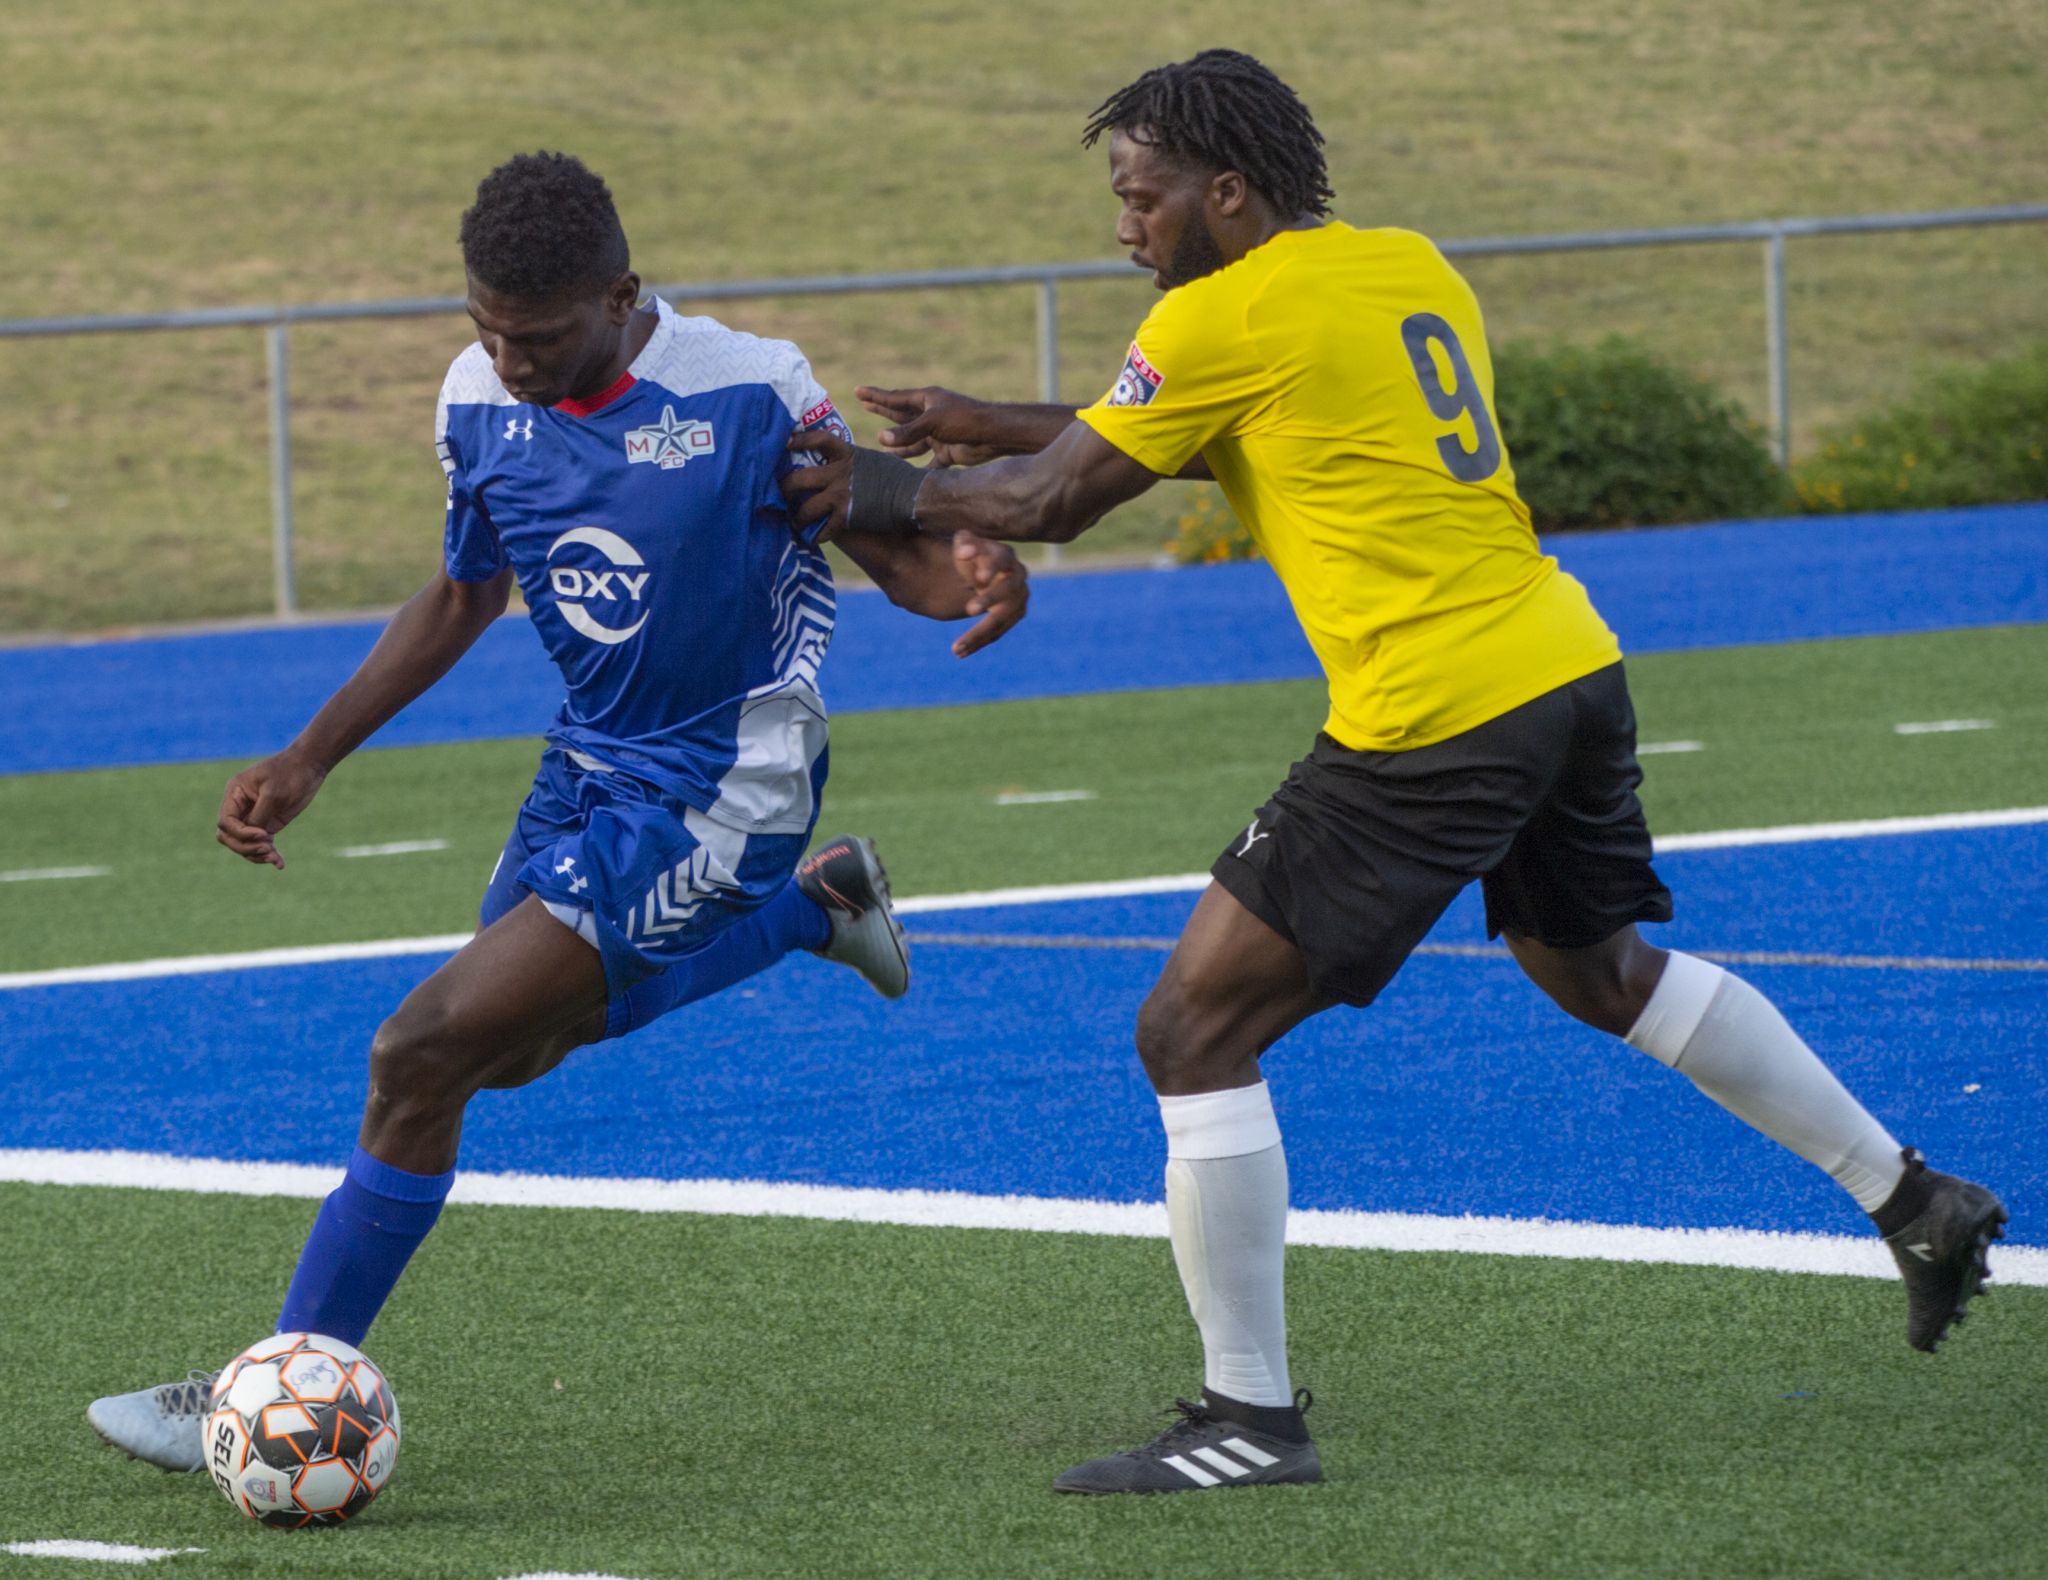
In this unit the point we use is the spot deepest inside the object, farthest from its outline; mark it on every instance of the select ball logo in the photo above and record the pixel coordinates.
(301, 1430)
(1138, 382)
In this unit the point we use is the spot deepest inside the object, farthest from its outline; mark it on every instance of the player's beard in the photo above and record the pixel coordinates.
(1194, 255)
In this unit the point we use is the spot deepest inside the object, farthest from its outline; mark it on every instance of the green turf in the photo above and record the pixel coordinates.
(161, 154)
(1794, 734)
(657, 1397)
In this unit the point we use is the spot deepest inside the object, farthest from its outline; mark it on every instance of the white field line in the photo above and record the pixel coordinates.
(1944, 726)
(982, 899)
(1374, 1231)
(195, 965)
(40, 874)
(1869, 828)
(1043, 797)
(97, 1552)
(1659, 748)
(397, 847)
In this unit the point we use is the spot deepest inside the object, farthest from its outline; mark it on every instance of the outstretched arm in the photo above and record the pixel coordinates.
(946, 578)
(1051, 497)
(421, 644)
(958, 430)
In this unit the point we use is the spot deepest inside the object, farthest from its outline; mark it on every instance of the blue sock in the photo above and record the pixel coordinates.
(365, 1234)
(792, 920)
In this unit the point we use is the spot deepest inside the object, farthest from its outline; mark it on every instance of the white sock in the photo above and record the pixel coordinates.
(1226, 1212)
(1732, 1043)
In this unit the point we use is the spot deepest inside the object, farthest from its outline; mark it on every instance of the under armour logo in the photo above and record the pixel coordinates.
(1251, 837)
(519, 427)
(564, 865)
(578, 885)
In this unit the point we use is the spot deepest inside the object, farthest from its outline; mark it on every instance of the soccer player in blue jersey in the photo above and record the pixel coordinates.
(620, 463)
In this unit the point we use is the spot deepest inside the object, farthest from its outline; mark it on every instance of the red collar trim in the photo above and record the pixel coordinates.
(602, 399)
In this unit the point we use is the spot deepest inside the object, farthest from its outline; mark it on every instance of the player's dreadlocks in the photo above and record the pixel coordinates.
(1225, 111)
(543, 226)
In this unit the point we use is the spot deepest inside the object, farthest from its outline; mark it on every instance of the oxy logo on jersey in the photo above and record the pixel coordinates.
(1138, 382)
(672, 442)
(574, 586)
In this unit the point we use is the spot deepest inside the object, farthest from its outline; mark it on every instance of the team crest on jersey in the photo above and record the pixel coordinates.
(672, 442)
(1138, 382)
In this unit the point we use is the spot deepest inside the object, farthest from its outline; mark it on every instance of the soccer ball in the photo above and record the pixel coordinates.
(302, 1430)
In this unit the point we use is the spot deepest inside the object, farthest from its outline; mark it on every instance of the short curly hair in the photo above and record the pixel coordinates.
(543, 226)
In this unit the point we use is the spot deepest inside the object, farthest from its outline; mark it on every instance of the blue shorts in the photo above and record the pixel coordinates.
(647, 879)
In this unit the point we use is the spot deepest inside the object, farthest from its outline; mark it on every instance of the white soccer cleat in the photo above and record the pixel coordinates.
(162, 1425)
(844, 877)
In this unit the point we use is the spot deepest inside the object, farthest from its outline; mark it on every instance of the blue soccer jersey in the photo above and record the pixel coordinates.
(656, 554)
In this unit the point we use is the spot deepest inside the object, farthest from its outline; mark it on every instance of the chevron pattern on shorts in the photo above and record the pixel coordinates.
(677, 895)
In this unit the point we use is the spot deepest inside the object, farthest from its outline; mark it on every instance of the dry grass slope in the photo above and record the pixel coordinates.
(183, 153)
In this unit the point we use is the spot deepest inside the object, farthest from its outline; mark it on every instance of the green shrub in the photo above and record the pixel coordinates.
(1608, 436)
(1975, 436)
(1600, 436)
(1208, 534)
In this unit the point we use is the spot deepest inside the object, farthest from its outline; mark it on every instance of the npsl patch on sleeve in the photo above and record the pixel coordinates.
(1138, 382)
(825, 415)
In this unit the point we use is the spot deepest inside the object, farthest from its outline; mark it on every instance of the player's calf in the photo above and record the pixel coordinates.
(1605, 985)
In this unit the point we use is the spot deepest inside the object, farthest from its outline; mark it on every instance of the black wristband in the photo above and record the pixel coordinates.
(884, 493)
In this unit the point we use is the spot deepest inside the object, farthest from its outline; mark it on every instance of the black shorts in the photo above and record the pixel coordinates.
(1358, 853)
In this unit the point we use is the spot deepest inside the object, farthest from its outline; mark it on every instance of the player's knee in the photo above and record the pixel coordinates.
(418, 1068)
(1606, 987)
(1179, 1041)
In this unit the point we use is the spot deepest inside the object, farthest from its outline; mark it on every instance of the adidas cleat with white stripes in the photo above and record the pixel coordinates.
(162, 1425)
(844, 877)
(1206, 1449)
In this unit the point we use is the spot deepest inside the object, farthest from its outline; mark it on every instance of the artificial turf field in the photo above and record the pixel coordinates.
(757, 1396)
(1791, 733)
(663, 1397)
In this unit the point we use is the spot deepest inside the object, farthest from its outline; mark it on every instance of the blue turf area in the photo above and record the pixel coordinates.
(243, 694)
(1009, 1069)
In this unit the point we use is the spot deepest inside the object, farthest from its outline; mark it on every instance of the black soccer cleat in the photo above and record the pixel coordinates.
(1944, 1252)
(1205, 1449)
(844, 877)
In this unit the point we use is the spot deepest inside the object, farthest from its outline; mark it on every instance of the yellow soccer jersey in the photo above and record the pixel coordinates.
(1338, 385)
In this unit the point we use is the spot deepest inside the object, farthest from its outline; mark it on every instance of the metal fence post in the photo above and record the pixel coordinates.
(1049, 362)
(1774, 346)
(284, 570)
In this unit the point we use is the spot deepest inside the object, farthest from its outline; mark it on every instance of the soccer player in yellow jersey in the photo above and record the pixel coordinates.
(1336, 382)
